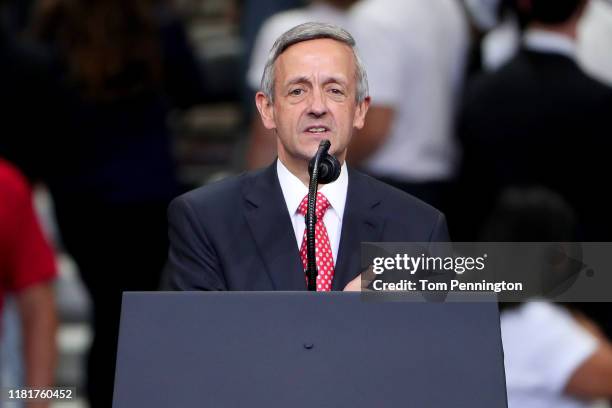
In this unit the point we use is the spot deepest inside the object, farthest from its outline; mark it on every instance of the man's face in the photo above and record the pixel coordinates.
(314, 99)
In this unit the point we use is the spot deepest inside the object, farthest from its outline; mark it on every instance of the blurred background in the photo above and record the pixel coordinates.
(497, 112)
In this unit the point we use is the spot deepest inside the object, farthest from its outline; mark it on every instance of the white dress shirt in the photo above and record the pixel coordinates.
(501, 44)
(549, 42)
(294, 191)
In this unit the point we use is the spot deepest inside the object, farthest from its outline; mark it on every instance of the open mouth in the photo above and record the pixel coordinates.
(316, 130)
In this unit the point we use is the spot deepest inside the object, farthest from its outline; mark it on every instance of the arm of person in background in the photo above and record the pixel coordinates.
(373, 135)
(593, 378)
(38, 315)
(378, 47)
(30, 272)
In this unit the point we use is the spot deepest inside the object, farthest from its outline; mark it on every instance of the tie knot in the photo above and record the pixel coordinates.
(322, 206)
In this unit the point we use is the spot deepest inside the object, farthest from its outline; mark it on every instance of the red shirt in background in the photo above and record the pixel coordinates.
(26, 258)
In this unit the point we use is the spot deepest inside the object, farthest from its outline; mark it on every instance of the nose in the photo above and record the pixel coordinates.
(318, 106)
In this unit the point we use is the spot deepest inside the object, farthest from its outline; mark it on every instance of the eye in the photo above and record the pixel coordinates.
(336, 92)
(296, 92)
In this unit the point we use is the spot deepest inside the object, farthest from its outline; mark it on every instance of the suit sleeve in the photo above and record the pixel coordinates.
(193, 263)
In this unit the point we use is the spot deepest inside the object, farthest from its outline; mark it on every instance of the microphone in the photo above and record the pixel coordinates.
(323, 168)
(329, 166)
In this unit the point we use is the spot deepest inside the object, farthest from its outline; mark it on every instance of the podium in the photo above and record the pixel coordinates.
(301, 349)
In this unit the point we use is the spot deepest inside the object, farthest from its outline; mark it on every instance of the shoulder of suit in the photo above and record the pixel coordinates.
(595, 86)
(517, 76)
(484, 81)
(222, 192)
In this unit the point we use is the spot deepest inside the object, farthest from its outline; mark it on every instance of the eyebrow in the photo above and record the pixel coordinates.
(304, 79)
(297, 80)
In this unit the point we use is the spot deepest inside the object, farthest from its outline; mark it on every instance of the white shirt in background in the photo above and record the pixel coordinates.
(415, 54)
(500, 44)
(595, 40)
(548, 42)
(543, 346)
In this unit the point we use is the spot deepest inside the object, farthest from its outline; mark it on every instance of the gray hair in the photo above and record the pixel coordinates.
(313, 31)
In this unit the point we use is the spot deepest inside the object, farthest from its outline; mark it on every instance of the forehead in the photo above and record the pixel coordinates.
(322, 56)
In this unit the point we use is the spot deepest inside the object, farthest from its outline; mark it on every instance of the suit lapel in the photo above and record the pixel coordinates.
(270, 224)
(361, 223)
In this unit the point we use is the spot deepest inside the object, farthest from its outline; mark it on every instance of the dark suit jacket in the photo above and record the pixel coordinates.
(237, 234)
(538, 120)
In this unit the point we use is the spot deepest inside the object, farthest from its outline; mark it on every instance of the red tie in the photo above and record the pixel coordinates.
(325, 259)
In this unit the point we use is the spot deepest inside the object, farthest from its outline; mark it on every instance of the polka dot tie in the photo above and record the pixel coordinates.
(325, 259)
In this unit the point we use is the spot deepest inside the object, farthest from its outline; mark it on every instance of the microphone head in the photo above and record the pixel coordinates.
(329, 169)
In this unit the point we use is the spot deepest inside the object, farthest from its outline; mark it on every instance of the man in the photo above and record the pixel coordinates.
(540, 120)
(27, 269)
(246, 233)
(262, 145)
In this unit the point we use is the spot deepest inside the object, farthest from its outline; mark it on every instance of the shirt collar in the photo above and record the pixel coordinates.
(549, 42)
(294, 190)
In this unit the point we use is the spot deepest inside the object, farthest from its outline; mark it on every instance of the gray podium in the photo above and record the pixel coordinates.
(300, 349)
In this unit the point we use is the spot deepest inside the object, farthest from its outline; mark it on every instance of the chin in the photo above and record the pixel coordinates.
(309, 154)
(310, 149)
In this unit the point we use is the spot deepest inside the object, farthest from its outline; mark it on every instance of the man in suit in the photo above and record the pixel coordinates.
(246, 233)
(540, 121)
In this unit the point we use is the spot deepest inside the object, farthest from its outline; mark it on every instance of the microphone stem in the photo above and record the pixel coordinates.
(311, 218)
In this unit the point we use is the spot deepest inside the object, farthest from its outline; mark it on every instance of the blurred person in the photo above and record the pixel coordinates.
(567, 360)
(262, 144)
(595, 40)
(27, 269)
(120, 67)
(416, 54)
(538, 120)
(503, 41)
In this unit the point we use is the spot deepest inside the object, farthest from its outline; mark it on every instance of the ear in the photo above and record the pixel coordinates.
(266, 110)
(360, 113)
